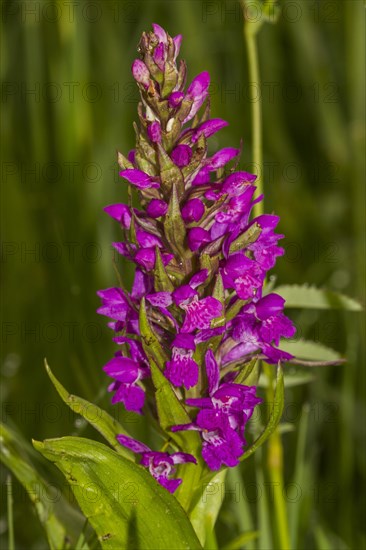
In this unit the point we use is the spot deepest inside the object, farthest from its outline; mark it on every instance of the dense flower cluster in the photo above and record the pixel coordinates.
(200, 264)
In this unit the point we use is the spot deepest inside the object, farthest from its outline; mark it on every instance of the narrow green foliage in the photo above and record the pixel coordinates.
(161, 278)
(275, 415)
(310, 297)
(249, 374)
(106, 425)
(169, 172)
(175, 230)
(248, 237)
(306, 349)
(112, 491)
(171, 411)
(150, 341)
(35, 486)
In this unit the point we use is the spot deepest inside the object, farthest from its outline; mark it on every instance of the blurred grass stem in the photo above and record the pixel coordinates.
(250, 33)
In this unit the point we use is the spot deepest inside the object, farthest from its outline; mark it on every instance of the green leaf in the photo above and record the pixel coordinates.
(174, 226)
(235, 308)
(120, 498)
(171, 411)
(306, 349)
(292, 379)
(305, 296)
(206, 505)
(241, 540)
(123, 162)
(249, 236)
(161, 278)
(219, 293)
(249, 374)
(150, 341)
(275, 416)
(96, 417)
(36, 487)
(169, 173)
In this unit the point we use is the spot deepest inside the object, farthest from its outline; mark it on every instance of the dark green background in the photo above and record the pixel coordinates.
(68, 102)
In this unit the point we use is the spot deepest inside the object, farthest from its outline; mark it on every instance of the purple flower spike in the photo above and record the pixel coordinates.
(161, 465)
(188, 242)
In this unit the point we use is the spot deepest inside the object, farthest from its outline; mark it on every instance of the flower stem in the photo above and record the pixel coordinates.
(275, 449)
(256, 109)
(10, 513)
(275, 472)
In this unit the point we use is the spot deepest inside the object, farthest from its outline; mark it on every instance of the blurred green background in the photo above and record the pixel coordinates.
(68, 102)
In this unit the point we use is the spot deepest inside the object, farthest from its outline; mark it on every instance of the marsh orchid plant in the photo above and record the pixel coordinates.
(198, 311)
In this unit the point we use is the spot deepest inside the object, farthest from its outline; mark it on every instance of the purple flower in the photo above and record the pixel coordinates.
(193, 210)
(242, 274)
(161, 465)
(198, 237)
(141, 73)
(182, 370)
(208, 128)
(192, 240)
(121, 213)
(154, 132)
(157, 208)
(200, 313)
(126, 373)
(198, 92)
(139, 178)
(222, 417)
(260, 325)
(181, 155)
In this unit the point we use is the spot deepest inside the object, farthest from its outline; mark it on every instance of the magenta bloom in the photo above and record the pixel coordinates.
(200, 259)
(222, 417)
(161, 465)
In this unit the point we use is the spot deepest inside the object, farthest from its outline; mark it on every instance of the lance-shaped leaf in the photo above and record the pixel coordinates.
(116, 495)
(36, 487)
(249, 236)
(249, 374)
(123, 162)
(206, 504)
(175, 230)
(162, 283)
(241, 540)
(275, 415)
(235, 308)
(106, 425)
(219, 293)
(170, 79)
(313, 351)
(169, 173)
(150, 341)
(305, 296)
